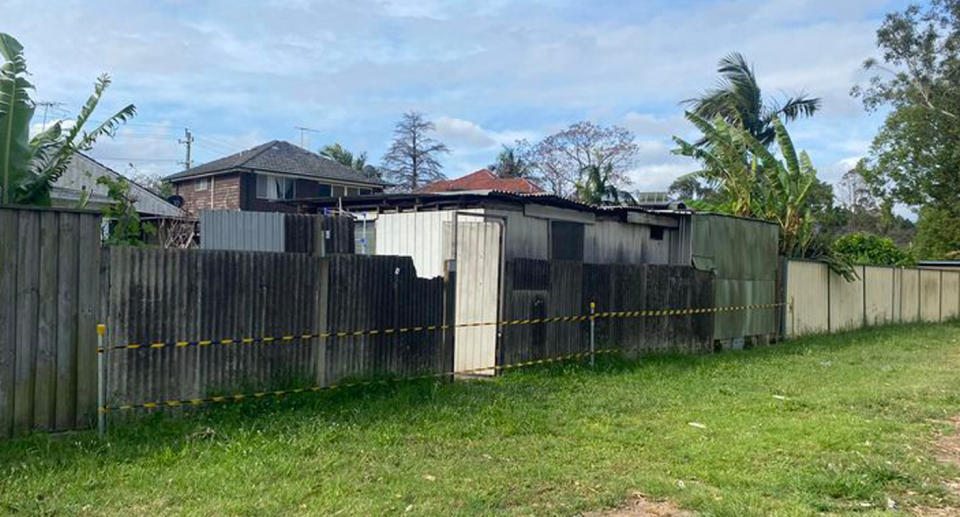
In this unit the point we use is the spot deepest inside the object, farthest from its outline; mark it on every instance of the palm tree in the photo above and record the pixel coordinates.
(30, 166)
(338, 153)
(511, 164)
(738, 100)
(598, 189)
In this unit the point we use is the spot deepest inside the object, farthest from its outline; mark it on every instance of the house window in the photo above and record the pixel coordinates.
(337, 191)
(201, 184)
(656, 233)
(365, 192)
(566, 241)
(274, 187)
(323, 190)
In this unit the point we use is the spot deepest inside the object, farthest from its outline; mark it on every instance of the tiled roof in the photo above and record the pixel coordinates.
(483, 179)
(281, 157)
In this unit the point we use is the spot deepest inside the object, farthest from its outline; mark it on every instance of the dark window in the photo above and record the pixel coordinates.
(365, 192)
(656, 233)
(566, 241)
(337, 191)
(323, 190)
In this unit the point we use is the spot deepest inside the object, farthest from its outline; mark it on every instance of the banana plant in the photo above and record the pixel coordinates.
(30, 166)
(726, 161)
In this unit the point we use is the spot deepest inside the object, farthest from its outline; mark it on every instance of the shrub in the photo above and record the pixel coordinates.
(871, 250)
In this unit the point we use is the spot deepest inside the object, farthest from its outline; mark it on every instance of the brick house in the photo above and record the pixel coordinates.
(483, 179)
(258, 178)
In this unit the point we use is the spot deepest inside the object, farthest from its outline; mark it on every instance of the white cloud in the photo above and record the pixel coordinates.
(499, 70)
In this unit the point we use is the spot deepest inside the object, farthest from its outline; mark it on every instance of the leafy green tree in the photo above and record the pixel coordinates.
(938, 234)
(121, 215)
(914, 158)
(597, 187)
(30, 166)
(738, 100)
(871, 250)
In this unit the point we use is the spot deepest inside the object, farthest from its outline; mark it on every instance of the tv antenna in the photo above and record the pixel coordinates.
(304, 130)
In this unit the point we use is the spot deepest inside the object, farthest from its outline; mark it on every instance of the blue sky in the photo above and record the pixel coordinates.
(486, 72)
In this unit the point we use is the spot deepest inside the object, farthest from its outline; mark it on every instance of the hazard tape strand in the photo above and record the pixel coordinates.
(303, 336)
(237, 397)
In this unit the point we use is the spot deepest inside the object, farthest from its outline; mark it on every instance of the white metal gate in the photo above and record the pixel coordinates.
(478, 256)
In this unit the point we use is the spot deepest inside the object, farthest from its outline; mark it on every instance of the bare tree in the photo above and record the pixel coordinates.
(561, 158)
(412, 160)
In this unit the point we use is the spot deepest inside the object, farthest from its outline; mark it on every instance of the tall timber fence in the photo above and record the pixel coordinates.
(50, 263)
(821, 301)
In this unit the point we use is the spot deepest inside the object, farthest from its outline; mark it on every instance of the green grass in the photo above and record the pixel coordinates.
(856, 426)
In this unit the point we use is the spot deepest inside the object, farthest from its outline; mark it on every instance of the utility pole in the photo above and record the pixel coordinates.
(302, 130)
(188, 141)
(47, 105)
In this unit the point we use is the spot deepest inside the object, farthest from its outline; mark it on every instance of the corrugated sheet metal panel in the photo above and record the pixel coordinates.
(419, 235)
(244, 231)
(929, 295)
(743, 254)
(879, 295)
(951, 294)
(809, 311)
(526, 237)
(910, 295)
(846, 301)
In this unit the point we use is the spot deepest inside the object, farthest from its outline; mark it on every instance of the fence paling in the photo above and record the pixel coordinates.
(592, 353)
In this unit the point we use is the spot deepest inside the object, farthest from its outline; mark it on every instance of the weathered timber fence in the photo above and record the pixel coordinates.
(49, 306)
(190, 324)
(545, 289)
(821, 301)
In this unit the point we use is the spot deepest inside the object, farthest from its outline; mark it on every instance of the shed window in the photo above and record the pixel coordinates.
(566, 241)
(656, 233)
(201, 184)
(274, 187)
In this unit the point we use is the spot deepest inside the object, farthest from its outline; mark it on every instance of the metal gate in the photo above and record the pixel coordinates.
(479, 246)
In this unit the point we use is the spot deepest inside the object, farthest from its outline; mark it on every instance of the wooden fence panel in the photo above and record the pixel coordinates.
(49, 307)
(192, 296)
(567, 288)
(378, 293)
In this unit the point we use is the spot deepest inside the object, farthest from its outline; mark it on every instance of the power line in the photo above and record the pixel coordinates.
(118, 158)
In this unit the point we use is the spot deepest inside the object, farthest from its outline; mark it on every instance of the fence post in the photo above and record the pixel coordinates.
(593, 324)
(101, 385)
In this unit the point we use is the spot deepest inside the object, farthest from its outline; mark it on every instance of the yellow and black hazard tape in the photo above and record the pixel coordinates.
(307, 335)
(237, 397)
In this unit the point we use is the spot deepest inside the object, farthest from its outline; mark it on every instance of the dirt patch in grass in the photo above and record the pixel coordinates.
(641, 506)
(947, 451)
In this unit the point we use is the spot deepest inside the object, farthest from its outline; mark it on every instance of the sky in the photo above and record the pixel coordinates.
(485, 72)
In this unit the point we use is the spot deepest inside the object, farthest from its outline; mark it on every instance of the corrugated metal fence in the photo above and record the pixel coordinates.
(274, 231)
(49, 306)
(821, 301)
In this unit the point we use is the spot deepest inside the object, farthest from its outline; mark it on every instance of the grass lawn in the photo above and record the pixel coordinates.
(834, 424)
